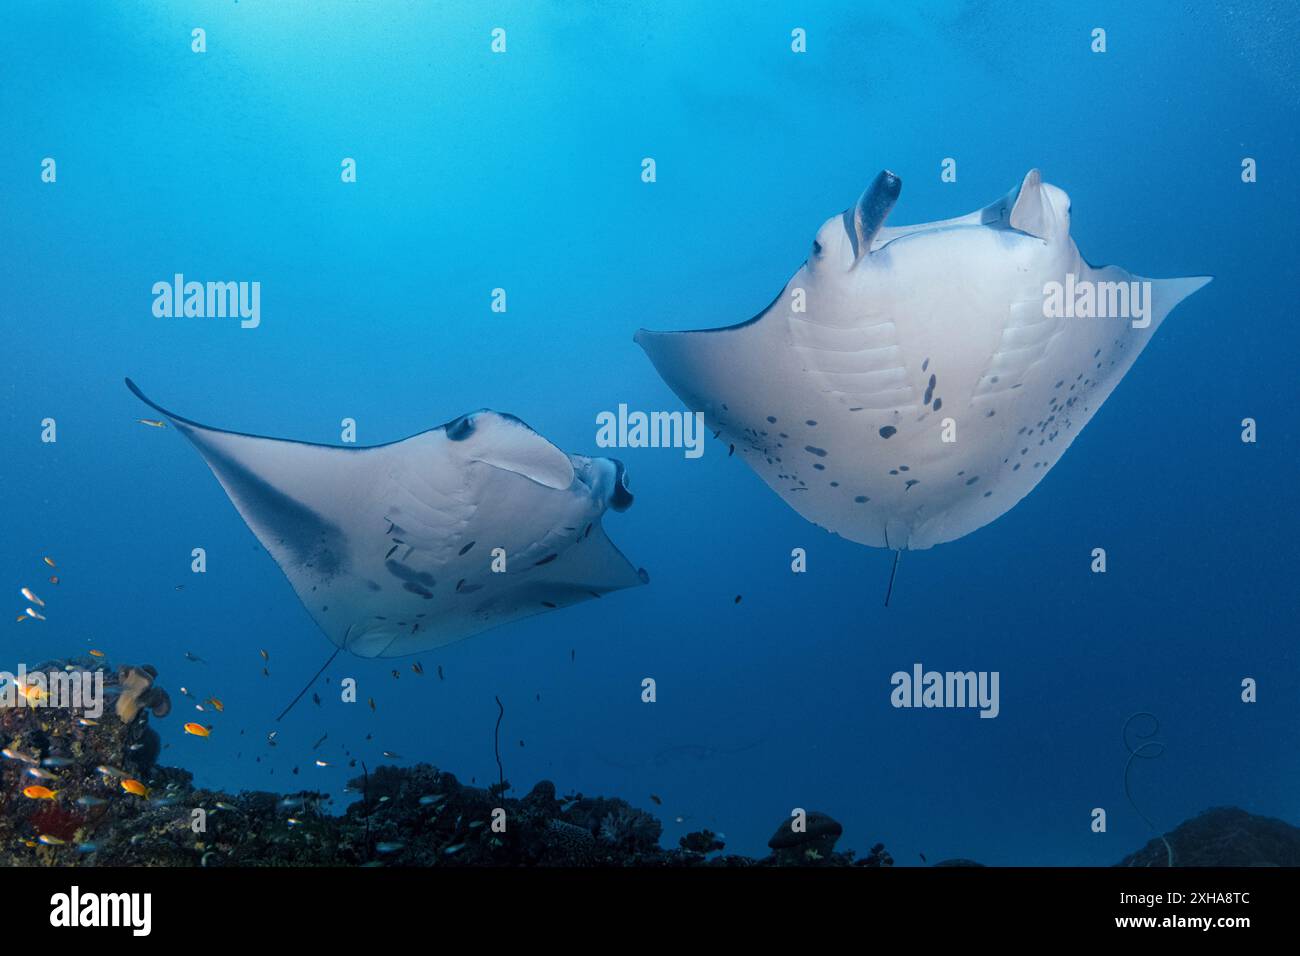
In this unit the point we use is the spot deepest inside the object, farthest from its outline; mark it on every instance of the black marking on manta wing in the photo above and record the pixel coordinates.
(408, 574)
(312, 540)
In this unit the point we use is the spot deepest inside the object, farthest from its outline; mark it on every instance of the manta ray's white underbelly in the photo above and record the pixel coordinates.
(912, 384)
(929, 408)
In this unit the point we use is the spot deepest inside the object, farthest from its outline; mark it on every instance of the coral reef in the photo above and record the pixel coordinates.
(89, 792)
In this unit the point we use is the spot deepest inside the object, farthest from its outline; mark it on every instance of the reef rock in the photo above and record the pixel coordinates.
(1224, 836)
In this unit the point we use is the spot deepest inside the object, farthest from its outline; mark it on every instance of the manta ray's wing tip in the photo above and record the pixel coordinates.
(1183, 287)
(135, 390)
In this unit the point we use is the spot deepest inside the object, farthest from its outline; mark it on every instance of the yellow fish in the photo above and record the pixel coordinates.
(37, 792)
(198, 730)
(131, 785)
(50, 840)
(95, 653)
(50, 561)
(36, 615)
(216, 702)
(152, 422)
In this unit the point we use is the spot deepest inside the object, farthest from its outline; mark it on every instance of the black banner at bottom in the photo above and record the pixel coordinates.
(339, 905)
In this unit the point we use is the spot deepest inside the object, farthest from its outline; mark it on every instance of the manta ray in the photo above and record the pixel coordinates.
(911, 384)
(398, 548)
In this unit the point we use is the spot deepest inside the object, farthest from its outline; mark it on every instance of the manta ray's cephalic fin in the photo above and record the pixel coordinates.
(871, 210)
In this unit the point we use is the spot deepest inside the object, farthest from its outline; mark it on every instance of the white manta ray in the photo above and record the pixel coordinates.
(391, 547)
(909, 385)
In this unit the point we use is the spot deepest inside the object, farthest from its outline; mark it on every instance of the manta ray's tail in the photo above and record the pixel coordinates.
(893, 572)
(315, 677)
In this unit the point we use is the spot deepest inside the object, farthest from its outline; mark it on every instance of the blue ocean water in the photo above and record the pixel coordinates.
(522, 171)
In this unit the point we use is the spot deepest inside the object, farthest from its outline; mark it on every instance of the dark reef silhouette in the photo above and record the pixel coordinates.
(401, 816)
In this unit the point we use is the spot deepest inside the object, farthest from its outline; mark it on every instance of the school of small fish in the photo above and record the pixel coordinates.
(33, 600)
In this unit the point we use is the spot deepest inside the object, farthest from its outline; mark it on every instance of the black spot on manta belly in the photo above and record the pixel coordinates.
(465, 550)
(888, 431)
(409, 574)
(819, 452)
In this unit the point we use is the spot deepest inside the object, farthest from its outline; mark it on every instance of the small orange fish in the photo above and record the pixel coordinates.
(198, 730)
(21, 618)
(50, 561)
(131, 785)
(54, 579)
(95, 653)
(31, 596)
(216, 702)
(37, 792)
